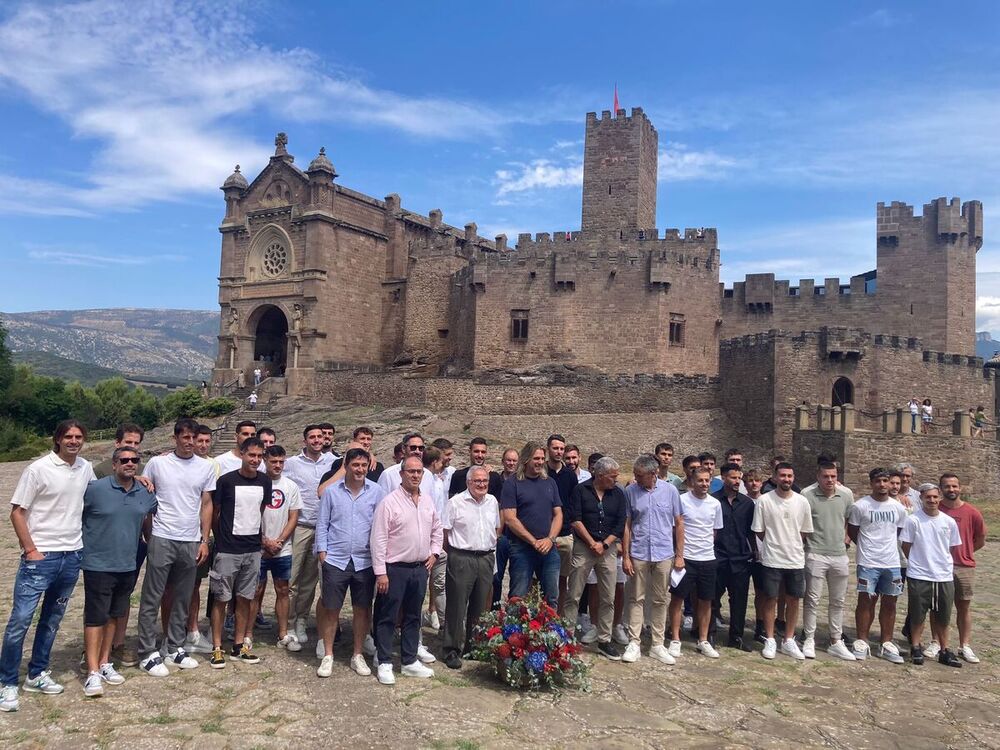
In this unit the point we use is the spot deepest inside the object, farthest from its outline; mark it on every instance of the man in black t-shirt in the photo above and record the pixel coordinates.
(362, 438)
(239, 501)
(477, 457)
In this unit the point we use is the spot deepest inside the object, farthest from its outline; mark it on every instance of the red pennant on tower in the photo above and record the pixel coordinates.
(616, 99)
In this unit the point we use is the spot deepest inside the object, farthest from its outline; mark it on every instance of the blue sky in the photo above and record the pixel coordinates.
(780, 123)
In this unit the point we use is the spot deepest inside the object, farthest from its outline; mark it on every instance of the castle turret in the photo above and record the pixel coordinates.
(619, 172)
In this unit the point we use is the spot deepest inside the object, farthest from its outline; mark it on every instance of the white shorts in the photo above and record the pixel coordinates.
(592, 578)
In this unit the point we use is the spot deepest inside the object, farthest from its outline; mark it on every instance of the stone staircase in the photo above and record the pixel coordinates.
(224, 437)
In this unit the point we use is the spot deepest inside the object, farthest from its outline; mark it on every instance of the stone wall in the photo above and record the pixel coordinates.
(975, 460)
(925, 284)
(466, 394)
(747, 383)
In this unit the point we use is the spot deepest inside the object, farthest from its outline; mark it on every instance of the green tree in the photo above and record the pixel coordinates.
(113, 396)
(6, 364)
(186, 402)
(86, 406)
(144, 408)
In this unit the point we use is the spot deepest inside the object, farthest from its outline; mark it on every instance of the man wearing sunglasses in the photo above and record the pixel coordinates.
(115, 511)
(391, 479)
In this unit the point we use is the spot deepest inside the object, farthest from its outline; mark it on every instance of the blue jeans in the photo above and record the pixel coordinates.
(52, 580)
(526, 562)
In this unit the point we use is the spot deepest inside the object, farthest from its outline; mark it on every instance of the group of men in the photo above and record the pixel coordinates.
(658, 553)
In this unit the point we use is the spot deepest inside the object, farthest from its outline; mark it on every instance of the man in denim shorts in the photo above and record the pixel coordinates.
(873, 525)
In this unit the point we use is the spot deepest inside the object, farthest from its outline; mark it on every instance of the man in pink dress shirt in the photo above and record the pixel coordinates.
(405, 543)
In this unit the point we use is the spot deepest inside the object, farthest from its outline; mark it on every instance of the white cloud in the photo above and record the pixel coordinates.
(75, 258)
(988, 313)
(677, 163)
(158, 87)
(883, 18)
(538, 174)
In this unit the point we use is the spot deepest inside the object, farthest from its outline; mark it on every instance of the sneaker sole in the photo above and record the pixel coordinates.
(27, 689)
(9, 709)
(93, 694)
(217, 666)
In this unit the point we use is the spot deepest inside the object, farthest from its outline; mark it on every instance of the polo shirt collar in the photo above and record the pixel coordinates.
(58, 461)
(117, 485)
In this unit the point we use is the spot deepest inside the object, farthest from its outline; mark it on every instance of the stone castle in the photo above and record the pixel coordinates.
(323, 283)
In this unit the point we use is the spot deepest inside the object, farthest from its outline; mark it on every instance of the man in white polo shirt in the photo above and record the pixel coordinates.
(47, 513)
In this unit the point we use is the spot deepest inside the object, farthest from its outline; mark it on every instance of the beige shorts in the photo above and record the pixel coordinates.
(964, 577)
(565, 546)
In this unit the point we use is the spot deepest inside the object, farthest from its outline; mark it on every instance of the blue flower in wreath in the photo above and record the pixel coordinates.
(536, 661)
(559, 630)
(509, 630)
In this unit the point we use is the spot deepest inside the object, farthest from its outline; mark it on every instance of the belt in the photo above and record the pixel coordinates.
(403, 564)
(476, 552)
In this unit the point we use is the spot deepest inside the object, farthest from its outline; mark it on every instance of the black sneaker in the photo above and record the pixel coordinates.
(218, 660)
(610, 650)
(948, 658)
(247, 656)
(738, 643)
(453, 660)
(906, 628)
(917, 654)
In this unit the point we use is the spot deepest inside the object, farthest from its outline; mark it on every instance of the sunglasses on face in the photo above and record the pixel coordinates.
(416, 448)
(130, 460)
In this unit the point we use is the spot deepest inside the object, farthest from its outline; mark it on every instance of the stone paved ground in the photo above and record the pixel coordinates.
(738, 701)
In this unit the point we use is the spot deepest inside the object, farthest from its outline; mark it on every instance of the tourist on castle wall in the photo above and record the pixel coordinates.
(926, 416)
(972, 530)
(532, 514)
(406, 540)
(471, 526)
(826, 561)
(781, 520)
(654, 516)
(597, 513)
(914, 407)
(734, 552)
(929, 538)
(873, 526)
(46, 516)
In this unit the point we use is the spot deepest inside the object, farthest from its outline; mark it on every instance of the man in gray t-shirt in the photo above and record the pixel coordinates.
(826, 561)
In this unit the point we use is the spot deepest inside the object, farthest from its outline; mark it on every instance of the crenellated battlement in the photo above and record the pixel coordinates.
(762, 291)
(620, 119)
(948, 220)
(701, 236)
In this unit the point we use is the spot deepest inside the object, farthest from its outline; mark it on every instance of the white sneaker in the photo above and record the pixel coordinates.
(385, 675)
(632, 652)
(290, 643)
(861, 649)
(153, 665)
(300, 632)
(619, 635)
(368, 647)
(707, 649)
(890, 653)
(110, 675)
(770, 648)
(932, 650)
(179, 658)
(43, 684)
(840, 650)
(197, 643)
(325, 667)
(790, 648)
(966, 653)
(809, 648)
(583, 622)
(320, 648)
(674, 649)
(424, 655)
(93, 688)
(660, 653)
(9, 700)
(589, 635)
(431, 620)
(416, 669)
(359, 665)
(687, 623)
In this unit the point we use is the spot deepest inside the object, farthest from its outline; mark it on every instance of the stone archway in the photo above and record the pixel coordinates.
(843, 392)
(271, 339)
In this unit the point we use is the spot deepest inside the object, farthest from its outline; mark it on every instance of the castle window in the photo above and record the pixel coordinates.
(275, 259)
(518, 325)
(676, 329)
(819, 291)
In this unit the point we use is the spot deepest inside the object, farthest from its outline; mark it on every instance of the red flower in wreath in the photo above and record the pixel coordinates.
(504, 651)
(494, 631)
(518, 652)
(518, 640)
(535, 625)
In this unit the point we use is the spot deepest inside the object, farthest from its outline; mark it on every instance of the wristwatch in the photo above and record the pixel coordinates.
(606, 545)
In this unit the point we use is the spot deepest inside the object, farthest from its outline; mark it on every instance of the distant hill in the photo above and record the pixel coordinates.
(986, 345)
(158, 344)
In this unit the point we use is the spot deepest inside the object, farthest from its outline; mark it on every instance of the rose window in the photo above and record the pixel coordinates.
(275, 259)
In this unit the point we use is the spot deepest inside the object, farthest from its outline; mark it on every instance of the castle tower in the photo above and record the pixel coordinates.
(927, 271)
(619, 172)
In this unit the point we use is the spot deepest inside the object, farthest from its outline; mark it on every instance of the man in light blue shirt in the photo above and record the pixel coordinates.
(654, 510)
(343, 533)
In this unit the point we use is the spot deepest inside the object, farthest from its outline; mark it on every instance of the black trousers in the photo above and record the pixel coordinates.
(407, 587)
(468, 586)
(732, 577)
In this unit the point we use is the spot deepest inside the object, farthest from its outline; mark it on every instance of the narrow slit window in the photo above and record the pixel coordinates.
(518, 325)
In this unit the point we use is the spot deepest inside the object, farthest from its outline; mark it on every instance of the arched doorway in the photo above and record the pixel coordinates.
(271, 340)
(843, 392)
